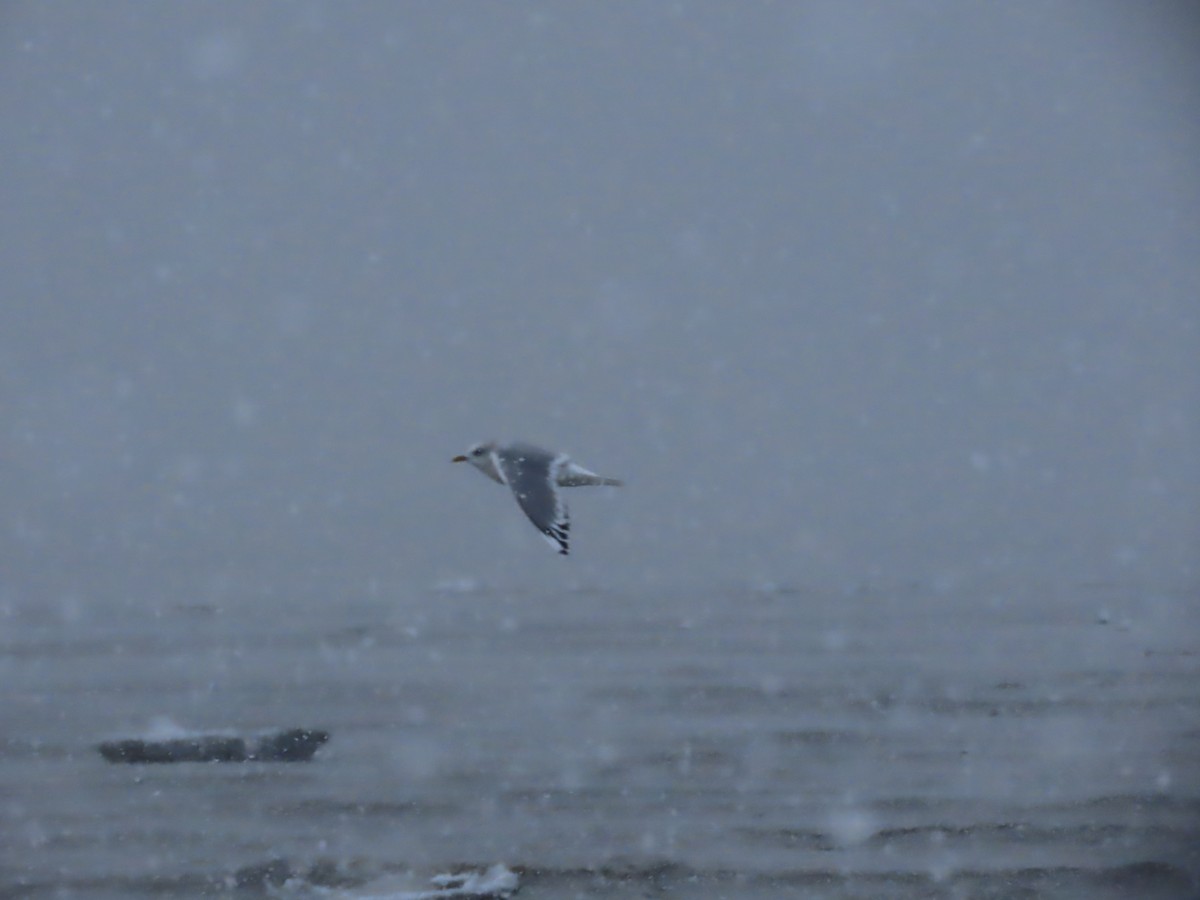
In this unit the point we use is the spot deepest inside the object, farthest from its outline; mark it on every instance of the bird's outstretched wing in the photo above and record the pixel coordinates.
(532, 476)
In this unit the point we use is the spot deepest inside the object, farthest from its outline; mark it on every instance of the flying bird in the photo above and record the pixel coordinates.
(535, 475)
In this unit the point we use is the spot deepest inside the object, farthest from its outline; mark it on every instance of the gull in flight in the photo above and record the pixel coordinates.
(535, 475)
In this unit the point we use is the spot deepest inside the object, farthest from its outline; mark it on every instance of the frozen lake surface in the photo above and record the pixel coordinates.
(1008, 742)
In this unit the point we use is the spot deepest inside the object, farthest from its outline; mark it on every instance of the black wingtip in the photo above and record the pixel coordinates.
(559, 535)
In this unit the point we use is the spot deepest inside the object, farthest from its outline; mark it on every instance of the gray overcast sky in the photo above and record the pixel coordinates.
(845, 291)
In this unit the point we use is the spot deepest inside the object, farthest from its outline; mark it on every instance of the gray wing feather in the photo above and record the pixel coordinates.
(531, 474)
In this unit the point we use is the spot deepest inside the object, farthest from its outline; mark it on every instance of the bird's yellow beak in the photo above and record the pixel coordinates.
(459, 459)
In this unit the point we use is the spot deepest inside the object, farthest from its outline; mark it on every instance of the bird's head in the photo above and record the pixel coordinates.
(479, 455)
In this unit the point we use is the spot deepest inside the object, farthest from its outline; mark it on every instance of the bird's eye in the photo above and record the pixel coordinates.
(478, 451)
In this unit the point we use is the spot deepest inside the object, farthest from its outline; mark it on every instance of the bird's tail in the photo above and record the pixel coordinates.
(574, 475)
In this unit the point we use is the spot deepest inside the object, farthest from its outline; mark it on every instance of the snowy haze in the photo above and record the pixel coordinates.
(845, 293)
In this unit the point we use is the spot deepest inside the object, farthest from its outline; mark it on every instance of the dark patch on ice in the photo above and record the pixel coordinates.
(1152, 874)
(292, 745)
(792, 838)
